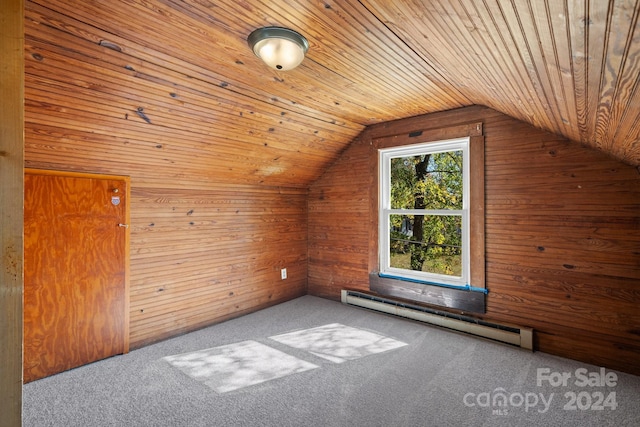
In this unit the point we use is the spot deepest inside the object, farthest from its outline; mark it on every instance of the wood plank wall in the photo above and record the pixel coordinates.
(204, 255)
(11, 210)
(205, 252)
(562, 235)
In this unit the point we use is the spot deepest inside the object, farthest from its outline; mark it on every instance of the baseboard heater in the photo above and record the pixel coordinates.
(514, 335)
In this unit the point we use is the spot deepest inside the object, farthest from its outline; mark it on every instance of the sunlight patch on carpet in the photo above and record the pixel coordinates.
(234, 366)
(338, 343)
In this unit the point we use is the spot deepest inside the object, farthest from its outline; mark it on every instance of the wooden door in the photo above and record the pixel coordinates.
(75, 268)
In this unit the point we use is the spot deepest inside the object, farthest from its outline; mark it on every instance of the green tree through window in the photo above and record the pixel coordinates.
(430, 243)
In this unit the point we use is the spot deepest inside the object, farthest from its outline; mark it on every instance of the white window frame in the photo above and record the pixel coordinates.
(385, 211)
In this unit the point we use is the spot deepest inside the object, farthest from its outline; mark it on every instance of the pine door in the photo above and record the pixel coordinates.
(75, 267)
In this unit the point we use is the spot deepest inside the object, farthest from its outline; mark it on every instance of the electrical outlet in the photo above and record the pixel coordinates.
(283, 273)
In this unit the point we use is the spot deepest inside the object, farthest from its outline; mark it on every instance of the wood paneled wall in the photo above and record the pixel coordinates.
(203, 255)
(562, 235)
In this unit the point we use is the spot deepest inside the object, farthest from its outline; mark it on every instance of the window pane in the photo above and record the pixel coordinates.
(429, 243)
(427, 181)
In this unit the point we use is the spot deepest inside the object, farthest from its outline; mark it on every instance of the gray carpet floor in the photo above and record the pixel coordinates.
(314, 362)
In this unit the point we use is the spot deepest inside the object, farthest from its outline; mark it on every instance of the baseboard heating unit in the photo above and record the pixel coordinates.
(514, 335)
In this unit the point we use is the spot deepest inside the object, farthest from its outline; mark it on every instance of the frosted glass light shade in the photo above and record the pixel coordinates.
(279, 48)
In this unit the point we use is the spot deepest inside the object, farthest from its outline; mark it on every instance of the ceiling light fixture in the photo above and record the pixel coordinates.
(280, 48)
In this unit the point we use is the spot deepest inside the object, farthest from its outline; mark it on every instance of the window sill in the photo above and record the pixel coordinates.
(459, 297)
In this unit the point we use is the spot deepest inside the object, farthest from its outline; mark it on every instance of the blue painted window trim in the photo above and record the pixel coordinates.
(466, 287)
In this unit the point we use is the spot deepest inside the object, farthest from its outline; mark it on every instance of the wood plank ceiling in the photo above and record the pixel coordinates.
(179, 76)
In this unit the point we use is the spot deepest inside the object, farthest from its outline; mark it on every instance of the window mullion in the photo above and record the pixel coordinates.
(440, 212)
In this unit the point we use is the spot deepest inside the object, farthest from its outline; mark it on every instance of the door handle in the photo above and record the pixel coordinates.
(123, 225)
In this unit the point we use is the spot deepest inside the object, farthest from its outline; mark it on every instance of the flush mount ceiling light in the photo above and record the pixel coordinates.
(280, 48)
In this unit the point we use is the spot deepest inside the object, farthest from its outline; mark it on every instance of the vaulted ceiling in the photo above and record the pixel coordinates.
(570, 67)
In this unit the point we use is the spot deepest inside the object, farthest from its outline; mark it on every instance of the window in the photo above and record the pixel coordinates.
(424, 223)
